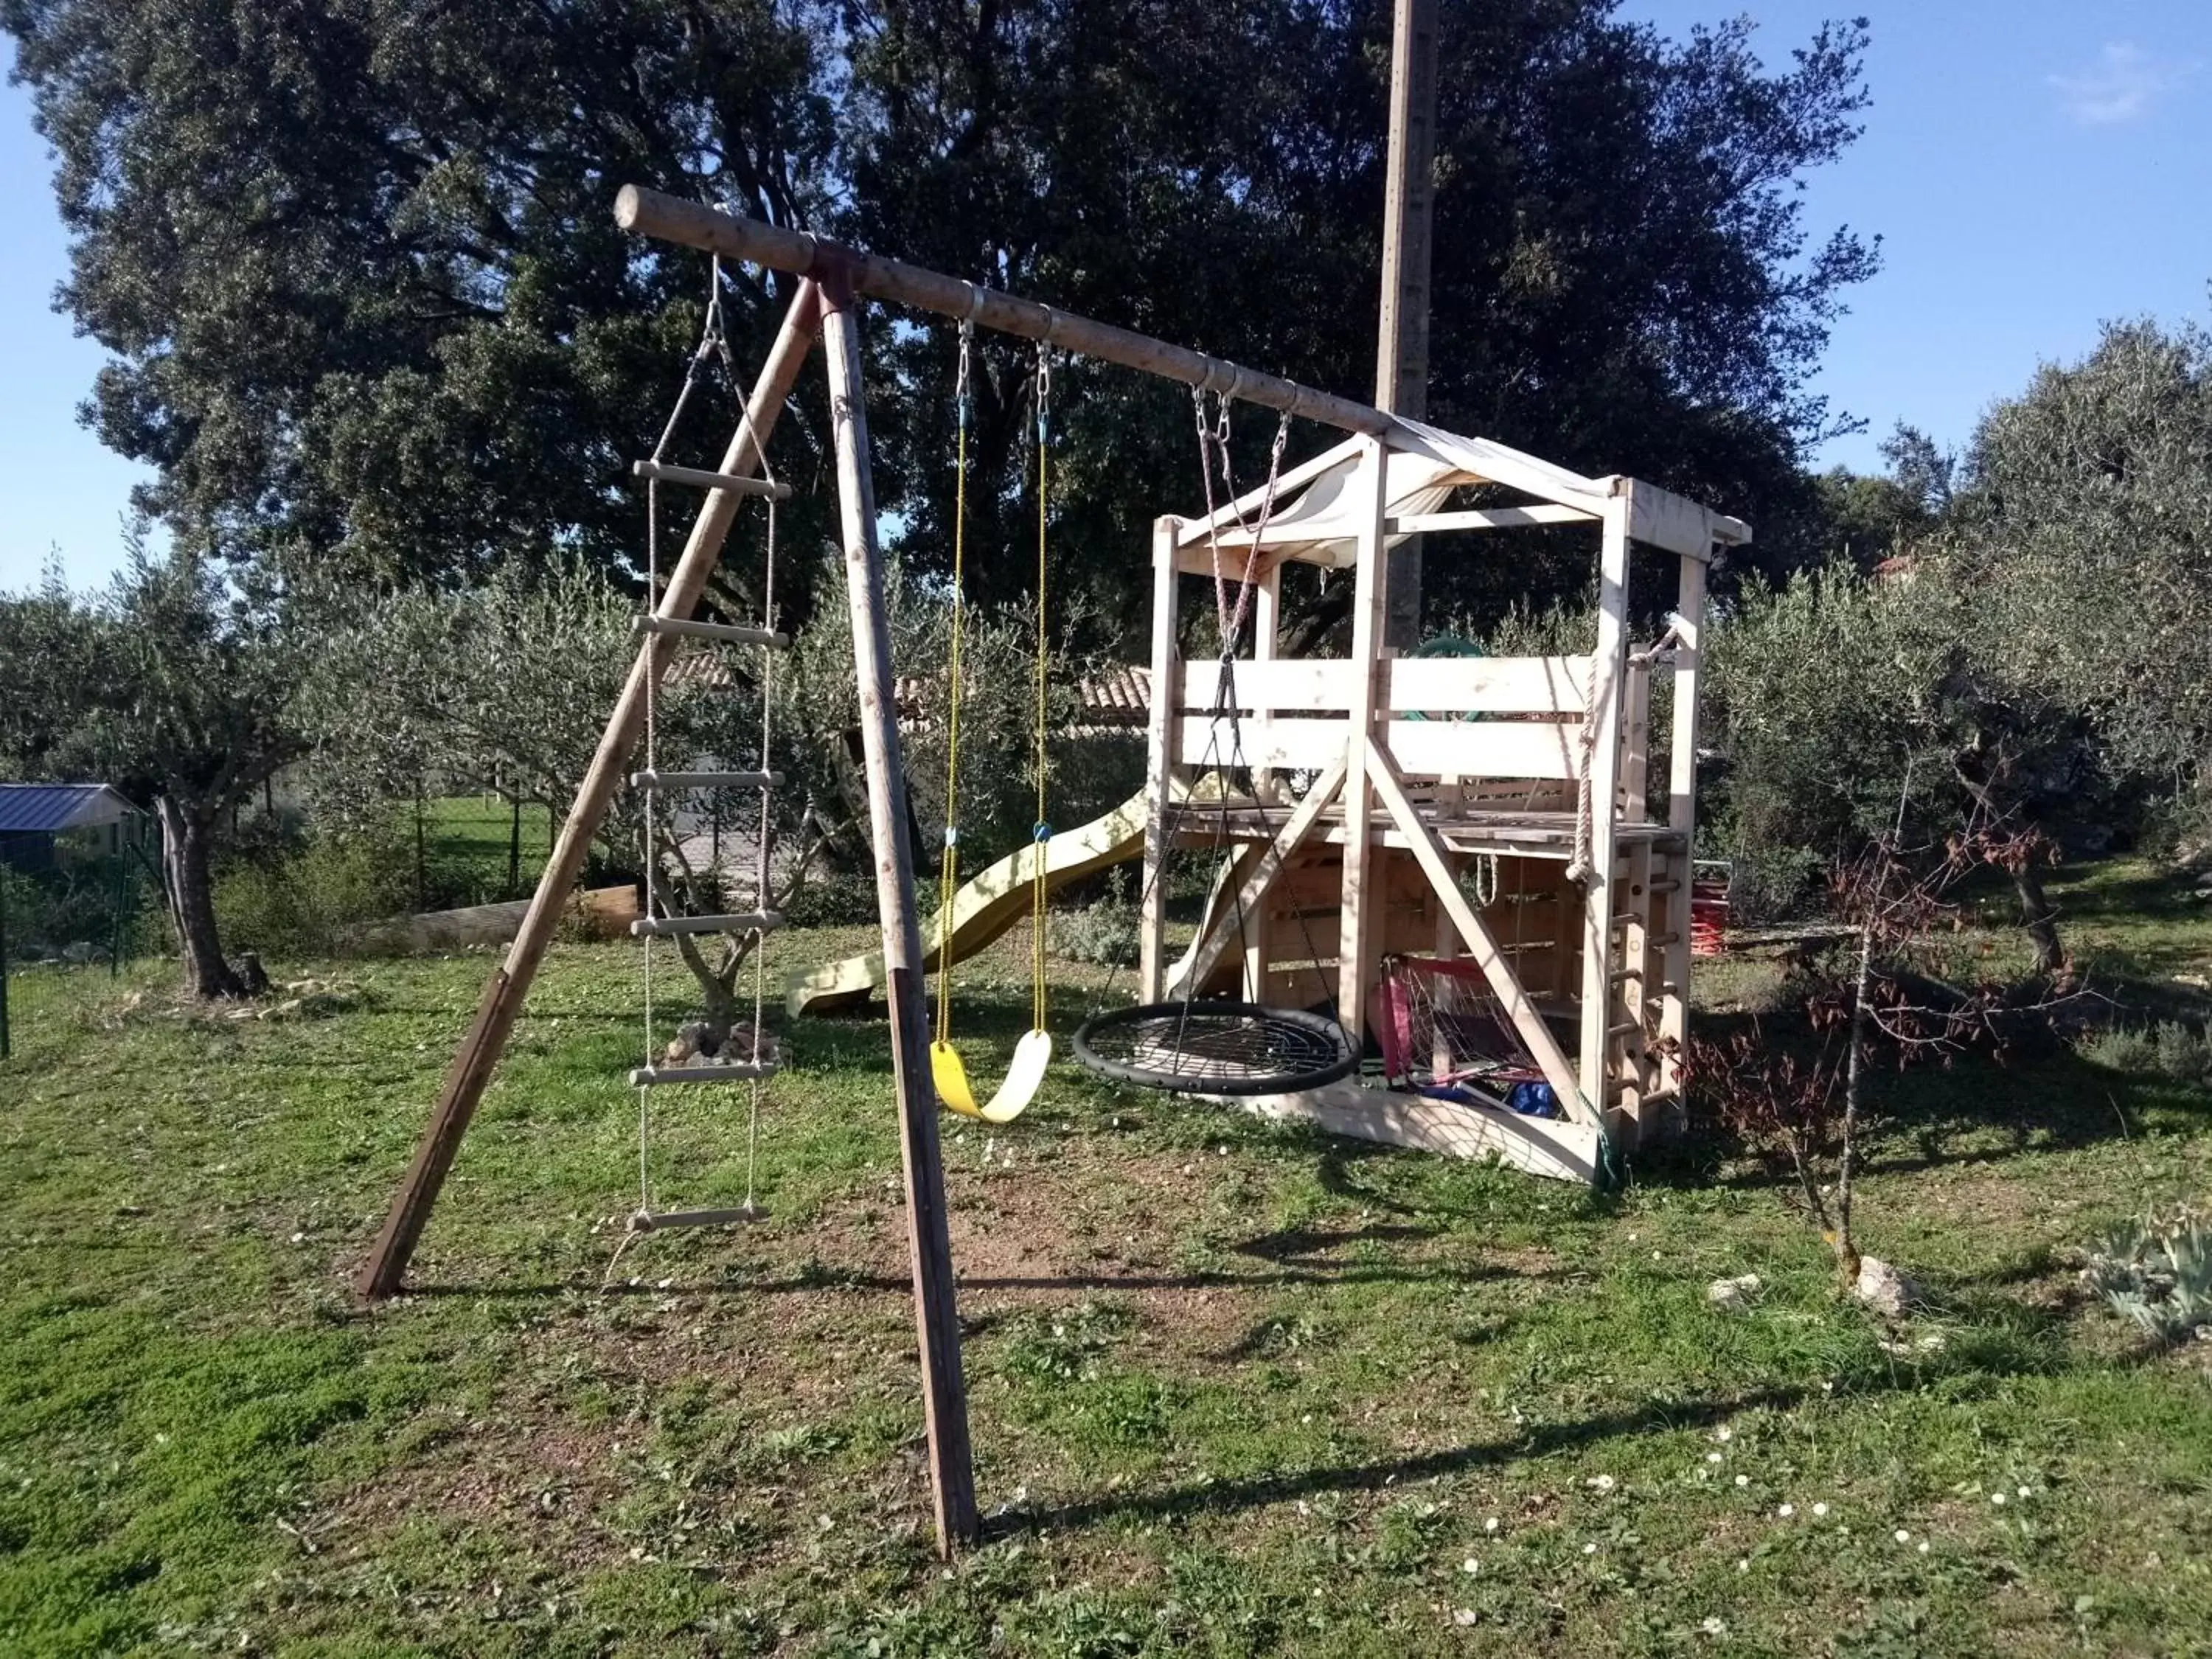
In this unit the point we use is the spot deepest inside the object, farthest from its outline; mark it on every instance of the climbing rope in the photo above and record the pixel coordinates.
(714, 345)
(1582, 866)
(1486, 880)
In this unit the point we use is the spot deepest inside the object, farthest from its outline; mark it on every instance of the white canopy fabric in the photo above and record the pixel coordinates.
(1335, 505)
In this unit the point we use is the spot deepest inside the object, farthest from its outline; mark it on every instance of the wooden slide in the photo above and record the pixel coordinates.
(983, 910)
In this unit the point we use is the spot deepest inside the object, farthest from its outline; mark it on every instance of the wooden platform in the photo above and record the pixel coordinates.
(1462, 828)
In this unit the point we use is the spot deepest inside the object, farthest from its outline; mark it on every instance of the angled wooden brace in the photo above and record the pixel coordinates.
(1481, 943)
(1258, 881)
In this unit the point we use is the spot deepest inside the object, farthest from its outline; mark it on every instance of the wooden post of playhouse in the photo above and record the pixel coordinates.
(503, 997)
(1362, 892)
(936, 1323)
(1402, 360)
(1159, 763)
(1608, 664)
(1682, 818)
(1266, 618)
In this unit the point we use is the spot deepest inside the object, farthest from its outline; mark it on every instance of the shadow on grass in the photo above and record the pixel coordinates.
(1300, 1252)
(1199, 1496)
(803, 1283)
(1989, 1339)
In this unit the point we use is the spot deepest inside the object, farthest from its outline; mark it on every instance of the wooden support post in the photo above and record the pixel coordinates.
(937, 1323)
(1266, 618)
(1608, 665)
(1402, 358)
(1162, 740)
(1362, 893)
(1682, 817)
(1636, 746)
(480, 1050)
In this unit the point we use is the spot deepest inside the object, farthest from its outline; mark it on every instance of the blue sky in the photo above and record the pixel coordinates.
(2032, 167)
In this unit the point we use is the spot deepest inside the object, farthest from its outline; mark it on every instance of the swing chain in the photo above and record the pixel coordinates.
(1213, 453)
(961, 394)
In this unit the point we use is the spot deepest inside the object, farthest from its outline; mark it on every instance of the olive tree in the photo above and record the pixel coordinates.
(1842, 704)
(2084, 531)
(175, 685)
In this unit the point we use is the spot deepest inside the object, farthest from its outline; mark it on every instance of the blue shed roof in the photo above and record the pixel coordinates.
(44, 808)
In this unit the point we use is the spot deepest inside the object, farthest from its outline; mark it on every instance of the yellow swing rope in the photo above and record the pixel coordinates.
(948, 878)
(1042, 832)
(1033, 1054)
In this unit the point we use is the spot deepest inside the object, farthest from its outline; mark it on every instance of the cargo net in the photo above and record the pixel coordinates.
(1444, 1034)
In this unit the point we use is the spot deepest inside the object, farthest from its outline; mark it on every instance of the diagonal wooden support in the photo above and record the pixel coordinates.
(1228, 876)
(480, 1050)
(929, 1245)
(1481, 943)
(1259, 879)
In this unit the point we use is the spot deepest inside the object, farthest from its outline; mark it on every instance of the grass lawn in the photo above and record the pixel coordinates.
(1235, 1388)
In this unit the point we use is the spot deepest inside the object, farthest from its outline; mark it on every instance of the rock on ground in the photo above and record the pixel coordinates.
(1884, 1289)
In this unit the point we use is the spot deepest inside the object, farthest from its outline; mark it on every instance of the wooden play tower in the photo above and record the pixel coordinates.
(1536, 768)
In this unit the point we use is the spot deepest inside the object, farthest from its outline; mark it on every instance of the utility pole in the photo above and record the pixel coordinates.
(1401, 357)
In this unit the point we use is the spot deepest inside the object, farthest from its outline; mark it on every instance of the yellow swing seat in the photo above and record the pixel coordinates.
(1033, 1054)
(1024, 1078)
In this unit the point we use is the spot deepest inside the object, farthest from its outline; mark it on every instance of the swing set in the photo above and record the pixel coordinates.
(1544, 798)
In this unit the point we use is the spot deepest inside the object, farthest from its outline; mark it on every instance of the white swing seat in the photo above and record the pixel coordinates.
(652, 1221)
(1024, 1078)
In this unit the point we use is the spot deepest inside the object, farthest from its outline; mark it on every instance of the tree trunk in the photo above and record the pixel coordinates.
(1841, 1239)
(2036, 915)
(2040, 919)
(187, 836)
(717, 991)
(514, 846)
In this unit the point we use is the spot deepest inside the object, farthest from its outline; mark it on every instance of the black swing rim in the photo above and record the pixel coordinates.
(1306, 1024)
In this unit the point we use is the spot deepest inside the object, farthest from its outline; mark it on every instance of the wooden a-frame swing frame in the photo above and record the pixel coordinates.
(1367, 776)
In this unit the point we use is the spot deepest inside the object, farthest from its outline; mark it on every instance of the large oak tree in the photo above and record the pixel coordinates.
(354, 258)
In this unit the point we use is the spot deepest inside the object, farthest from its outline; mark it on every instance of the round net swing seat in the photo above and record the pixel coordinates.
(1217, 1048)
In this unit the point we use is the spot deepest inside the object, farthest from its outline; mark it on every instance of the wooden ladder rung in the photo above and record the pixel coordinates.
(723, 633)
(706, 780)
(646, 1221)
(1624, 1028)
(700, 479)
(745, 921)
(1665, 885)
(647, 1076)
